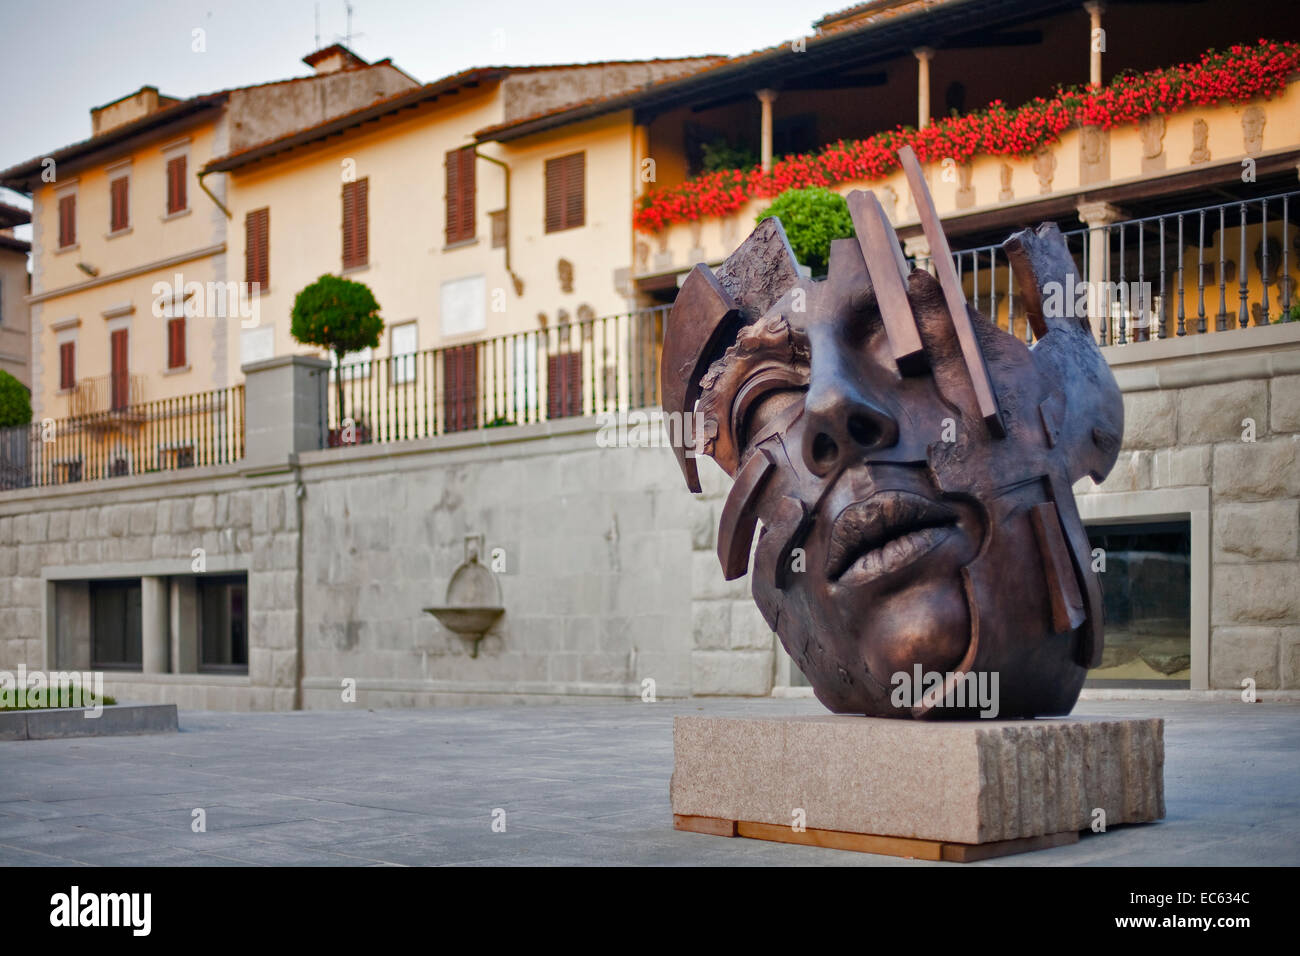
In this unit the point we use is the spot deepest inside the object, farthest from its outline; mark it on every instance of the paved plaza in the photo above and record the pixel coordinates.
(578, 784)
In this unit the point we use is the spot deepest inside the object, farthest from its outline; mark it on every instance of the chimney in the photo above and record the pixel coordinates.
(333, 58)
(129, 108)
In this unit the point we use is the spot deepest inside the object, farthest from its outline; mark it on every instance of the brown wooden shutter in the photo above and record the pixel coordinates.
(564, 385)
(68, 365)
(461, 195)
(67, 221)
(460, 387)
(566, 192)
(575, 191)
(356, 223)
(176, 199)
(257, 238)
(118, 198)
(176, 343)
(120, 376)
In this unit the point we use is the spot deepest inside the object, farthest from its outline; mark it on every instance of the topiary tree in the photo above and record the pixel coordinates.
(812, 217)
(339, 315)
(15, 402)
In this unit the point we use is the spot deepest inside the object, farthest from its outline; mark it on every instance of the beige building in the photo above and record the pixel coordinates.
(129, 246)
(15, 283)
(459, 242)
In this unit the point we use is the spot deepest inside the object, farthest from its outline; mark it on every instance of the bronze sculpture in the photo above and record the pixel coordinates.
(910, 463)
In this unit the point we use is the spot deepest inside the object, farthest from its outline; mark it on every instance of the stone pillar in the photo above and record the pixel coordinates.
(185, 625)
(1097, 216)
(1096, 40)
(767, 98)
(154, 625)
(284, 403)
(924, 55)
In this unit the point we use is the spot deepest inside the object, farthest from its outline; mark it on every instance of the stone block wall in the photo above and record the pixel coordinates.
(1230, 424)
(733, 648)
(609, 574)
(155, 526)
(591, 546)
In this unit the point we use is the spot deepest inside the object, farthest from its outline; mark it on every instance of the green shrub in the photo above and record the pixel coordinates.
(337, 314)
(720, 154)
(50, 697)
(812, 217)
(15, 402)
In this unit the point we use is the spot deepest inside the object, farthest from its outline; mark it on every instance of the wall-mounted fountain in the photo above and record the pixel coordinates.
(473, 597)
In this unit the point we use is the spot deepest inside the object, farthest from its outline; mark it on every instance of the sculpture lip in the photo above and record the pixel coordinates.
(891, 528)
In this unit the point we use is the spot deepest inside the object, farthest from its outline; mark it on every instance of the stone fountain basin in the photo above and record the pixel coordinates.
(466, 620)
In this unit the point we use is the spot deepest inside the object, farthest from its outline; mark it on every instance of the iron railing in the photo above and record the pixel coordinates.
(1157, 277)
(578, 368)
(106, 393)
(206, 428)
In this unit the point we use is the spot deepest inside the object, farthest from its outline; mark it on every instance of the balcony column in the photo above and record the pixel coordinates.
(917, 249)
(924, 55)
(767, 98)
(1097, 216)
(1096, 40)
(640, 152)
(154, 625)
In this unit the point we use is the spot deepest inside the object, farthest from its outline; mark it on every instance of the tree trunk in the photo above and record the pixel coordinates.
(338, 390)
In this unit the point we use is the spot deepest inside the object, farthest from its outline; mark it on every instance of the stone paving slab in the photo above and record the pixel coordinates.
(579, 784)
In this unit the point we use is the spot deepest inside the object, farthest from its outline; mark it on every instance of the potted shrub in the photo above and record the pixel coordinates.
(342, 316)
(812, 217)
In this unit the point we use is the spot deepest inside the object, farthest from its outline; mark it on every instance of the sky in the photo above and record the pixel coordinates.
(59, 60)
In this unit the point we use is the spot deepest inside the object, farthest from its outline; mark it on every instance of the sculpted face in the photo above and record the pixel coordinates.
(907, 473)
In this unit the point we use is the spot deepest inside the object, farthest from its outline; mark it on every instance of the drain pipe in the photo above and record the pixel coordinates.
(505, 168)
(212, 196)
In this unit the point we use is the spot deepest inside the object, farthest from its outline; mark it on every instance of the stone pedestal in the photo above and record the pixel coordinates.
(936, 790)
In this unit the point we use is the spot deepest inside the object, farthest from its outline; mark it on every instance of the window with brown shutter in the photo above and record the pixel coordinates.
(68, 365)
(67, 221)
(176, 343)
(257, 235)
(566, 192)
(118, 192)
(564, 385)
(460, 195)
(176, 199)
(356, 223)
(460, 387)
(119, 371)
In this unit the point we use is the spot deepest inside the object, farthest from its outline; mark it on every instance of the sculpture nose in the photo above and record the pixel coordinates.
(842, 425)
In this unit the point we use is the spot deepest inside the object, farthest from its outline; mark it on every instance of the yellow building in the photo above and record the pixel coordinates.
(129, 300)
(491, 263)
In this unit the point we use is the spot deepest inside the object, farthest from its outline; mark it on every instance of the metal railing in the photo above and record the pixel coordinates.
(106, 393)
(1158, 277)
(206, 428)
(577, 368)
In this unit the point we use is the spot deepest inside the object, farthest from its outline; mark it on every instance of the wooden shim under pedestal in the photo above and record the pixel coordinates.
(871, 843)
(710, 825)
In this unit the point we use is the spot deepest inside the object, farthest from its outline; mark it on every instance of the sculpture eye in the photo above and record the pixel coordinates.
(761, 401)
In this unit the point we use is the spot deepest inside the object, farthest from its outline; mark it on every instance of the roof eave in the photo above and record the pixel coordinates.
(20, 178)
(678, 88)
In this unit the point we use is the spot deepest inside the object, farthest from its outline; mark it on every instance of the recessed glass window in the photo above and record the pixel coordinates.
(115, 624)
(223, 623)
(1147, 593)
